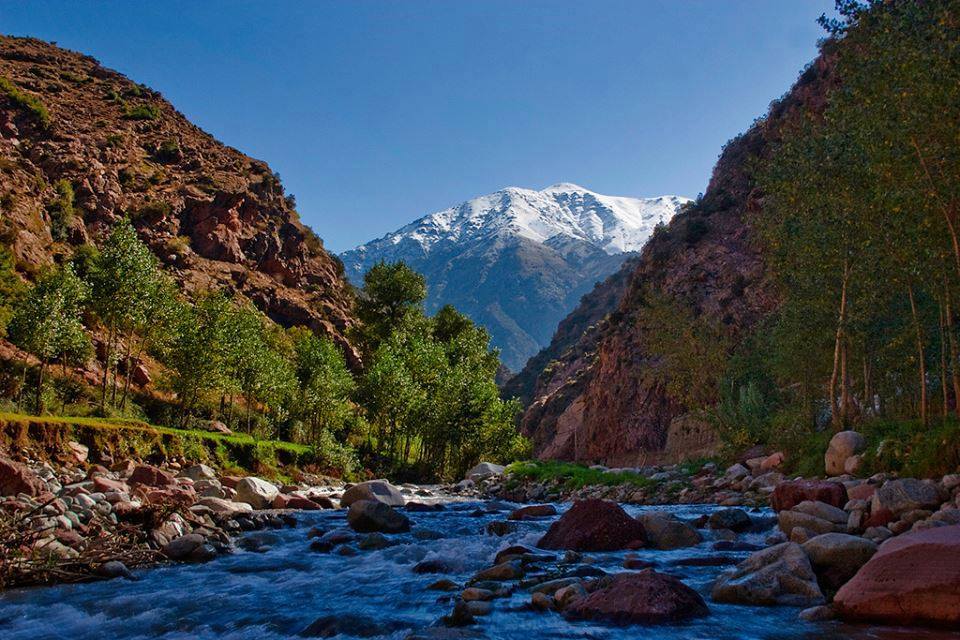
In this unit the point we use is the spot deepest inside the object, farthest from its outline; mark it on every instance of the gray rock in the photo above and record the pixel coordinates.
(484, 470)
(256, 492)
(776, 575)
(732, 519)
(788, 520)
(665, 531)
(908, 494)
(373, 491)
(197, 472)
(367, 516)
(192, 547)
(823, 511)
(836, 557)
(842, 446)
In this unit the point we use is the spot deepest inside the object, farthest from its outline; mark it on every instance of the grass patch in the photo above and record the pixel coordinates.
(26, 101)
(142, 112)
(124, 438)
(574, 476)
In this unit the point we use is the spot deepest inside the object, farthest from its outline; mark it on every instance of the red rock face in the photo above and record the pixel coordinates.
(646, 597)
(218, 219)
(912, 579)
(594, 525)
(16, 478)
(600, 382)
(787, 495)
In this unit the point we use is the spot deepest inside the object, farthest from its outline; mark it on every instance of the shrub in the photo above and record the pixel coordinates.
(142, 112)
(61, 210)
(26, 101)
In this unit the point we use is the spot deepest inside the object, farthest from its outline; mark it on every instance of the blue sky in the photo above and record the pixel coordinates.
(376, 113)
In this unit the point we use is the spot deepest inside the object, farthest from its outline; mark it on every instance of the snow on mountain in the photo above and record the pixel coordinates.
(612, 224)
(519, 259)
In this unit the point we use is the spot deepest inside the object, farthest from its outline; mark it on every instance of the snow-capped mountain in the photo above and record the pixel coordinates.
(518, 260)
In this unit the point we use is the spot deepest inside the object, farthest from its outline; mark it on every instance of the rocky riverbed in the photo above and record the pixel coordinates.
(190, 553)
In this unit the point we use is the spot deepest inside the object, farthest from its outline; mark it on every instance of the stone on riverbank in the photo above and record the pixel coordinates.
(836, 557)
(256, 492)
(373, 491)
(787, 495)
(594, 525)
(646, 597)
(16, 478)
(367, 516)
(912, 579)
(843, 445)
(900, 496)
(781, 574)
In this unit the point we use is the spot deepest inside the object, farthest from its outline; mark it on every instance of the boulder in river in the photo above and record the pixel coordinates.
(533, 511)
(732, 519)
(787, 495)
(594, 525)
(192, 547)
(373, 491)
(367, 516)
(912, 579)
(836, 557)
(646, 597)
(781, 574)
(256, 492)
(665, 531)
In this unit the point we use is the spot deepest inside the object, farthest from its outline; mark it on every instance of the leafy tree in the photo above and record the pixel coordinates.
(392, 296)
(324, 385)
(11, 288)
(123, 279)
(47, 323)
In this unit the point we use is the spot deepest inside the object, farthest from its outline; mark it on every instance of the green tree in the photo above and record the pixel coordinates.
(47, 323)
(324, 385)
(392, 296)
(123, 278)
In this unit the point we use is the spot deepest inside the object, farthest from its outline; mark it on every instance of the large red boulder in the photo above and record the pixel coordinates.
(646, 597)
(17, 478)
(912, 579)
(594, 525)
(151, 476)
(789, 494)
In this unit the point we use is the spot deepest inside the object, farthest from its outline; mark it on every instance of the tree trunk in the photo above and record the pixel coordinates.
(835, 416)
(952, 342)
(106, 369)
(948, 211)
(39, 402)
(867, 390)
(922, 366)
(944, 388)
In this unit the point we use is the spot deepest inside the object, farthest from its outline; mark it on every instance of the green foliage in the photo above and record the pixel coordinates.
(391, 298)
(28, 102)
(11, 288)
(168, 151)
(741, 417)
(142, 112)
(428, 388)
(46, 322)
(692, 351)
(61, 210)
(575, 476)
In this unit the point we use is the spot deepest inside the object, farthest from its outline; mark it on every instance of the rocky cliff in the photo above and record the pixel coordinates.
(82, 146)
(597, 392)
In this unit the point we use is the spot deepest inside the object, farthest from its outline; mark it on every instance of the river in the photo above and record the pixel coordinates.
(277, 593)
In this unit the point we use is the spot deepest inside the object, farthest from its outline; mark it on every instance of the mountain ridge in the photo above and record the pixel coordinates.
(517, 260)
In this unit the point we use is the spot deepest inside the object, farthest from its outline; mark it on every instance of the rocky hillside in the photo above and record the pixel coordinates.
(82, 146)
(597, 392)
(518, 260)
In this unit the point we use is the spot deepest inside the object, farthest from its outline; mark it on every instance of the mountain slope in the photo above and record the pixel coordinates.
(599, 384)
(215, 217)
(518, 260)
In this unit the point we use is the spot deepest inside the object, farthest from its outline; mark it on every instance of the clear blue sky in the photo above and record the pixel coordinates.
(376, 113)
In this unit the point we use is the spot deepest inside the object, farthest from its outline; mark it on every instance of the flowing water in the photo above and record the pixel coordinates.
(277, 593)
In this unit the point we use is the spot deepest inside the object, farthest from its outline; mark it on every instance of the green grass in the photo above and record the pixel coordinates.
(26, 101)
(142, 112)
(125, 437)
(574, 476)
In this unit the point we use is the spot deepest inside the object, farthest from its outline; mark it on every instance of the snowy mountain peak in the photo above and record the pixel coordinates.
(563, 210)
